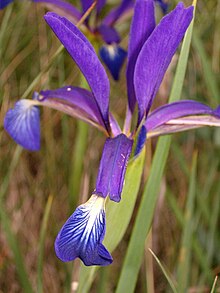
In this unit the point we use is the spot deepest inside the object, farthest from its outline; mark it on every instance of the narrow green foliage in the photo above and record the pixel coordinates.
(77, 163)
(209, 77)
(166, 274)
(145, 213)
(43, 233)
(183, 271)
(18, 258)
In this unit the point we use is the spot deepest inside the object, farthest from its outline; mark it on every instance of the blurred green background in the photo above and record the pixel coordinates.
(39, 190)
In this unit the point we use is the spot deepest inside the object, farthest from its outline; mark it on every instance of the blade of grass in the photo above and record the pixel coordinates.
(43, 233)
(166, 274)
(13, 243)
(198, 250)
(209, 76)
(133, 258)
(184, 264)
(77, 163)
(214, 285)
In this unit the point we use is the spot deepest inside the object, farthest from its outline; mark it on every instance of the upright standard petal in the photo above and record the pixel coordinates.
(112, 167)
(83, 233)
(113, 56)
(156, 54)
(23, 124)
(63, 8)
(73, 101)
(4, 3)
(143, 23)
(85, 57)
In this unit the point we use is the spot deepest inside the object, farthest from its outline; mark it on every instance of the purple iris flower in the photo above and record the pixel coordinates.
(150, 51)
(111, 53)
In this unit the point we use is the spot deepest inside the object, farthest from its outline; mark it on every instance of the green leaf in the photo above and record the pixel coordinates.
(183, 271)
(118, 216)
(133, 258)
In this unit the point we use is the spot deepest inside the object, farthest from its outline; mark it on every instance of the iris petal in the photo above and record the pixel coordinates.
(143, 23)
(4, 3)
(23, 124)
(156, 54)
(112, 167)
(83, 233)
(113, 56)
(85, 57)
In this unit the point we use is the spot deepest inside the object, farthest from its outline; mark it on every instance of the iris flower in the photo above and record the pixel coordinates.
(111, 53)
(150, 51)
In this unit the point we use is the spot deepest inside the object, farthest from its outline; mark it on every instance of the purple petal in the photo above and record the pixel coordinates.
(86, 4)
(109, 34)
(156, 55)
(23, 124)
(112, 167)
(117, 13)
(84, 55)
(4, 3)
(142, 136)
(176, 110)
(83, 233)
(63, 8)
(74, 101)
(100, 4)
(113, 56)
(181, 116)
(143, 23)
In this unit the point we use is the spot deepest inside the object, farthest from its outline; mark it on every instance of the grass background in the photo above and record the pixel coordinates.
(39, 190)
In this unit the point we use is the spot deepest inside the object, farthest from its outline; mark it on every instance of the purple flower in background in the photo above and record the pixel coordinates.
(4, 3)
(150, 51)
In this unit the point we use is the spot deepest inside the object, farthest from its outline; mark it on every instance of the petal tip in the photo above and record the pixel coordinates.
(82, 234)
(23, 124)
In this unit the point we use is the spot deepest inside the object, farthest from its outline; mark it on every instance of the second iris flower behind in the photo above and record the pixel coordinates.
(150, 51)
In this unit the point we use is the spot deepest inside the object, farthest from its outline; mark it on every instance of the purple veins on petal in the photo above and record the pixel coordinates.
(85, 57)
(4, 3)
(143, 23)
(23, 124)
(112, 167)
(82, 235)
(156, 54)
(113, 56)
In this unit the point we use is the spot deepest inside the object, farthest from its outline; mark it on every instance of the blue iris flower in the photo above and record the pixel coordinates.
(151, 48)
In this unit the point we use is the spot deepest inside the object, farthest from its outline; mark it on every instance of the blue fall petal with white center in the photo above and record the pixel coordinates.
(82, 235)
(23, 124)
(113, 56)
